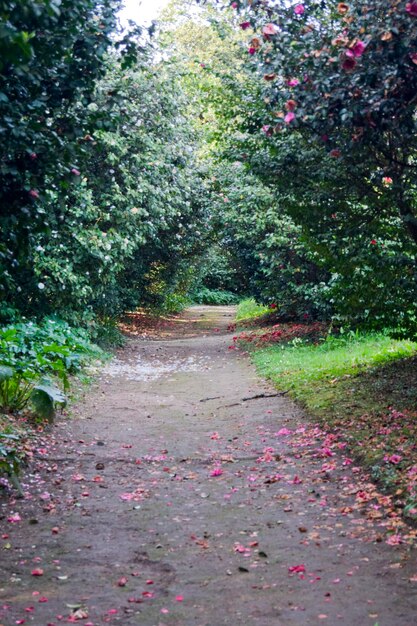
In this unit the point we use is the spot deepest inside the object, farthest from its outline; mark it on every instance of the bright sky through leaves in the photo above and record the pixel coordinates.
(142, 11)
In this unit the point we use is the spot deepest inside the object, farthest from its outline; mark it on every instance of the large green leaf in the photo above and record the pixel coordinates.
(44, 398)
(6, 372)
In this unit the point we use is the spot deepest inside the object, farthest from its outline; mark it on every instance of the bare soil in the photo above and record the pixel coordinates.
(169, 500)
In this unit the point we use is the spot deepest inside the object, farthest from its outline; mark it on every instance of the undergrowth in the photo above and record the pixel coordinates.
(248, 309)
(37, 364)
(218, 297)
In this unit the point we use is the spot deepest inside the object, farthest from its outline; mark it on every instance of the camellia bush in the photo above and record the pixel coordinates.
(52, 53)
(337, 115)
(101, 200)
(134, 222)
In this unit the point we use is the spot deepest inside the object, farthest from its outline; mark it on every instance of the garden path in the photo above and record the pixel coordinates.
(169, 500)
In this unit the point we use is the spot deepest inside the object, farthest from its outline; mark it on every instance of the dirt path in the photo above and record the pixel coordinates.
(171, 501)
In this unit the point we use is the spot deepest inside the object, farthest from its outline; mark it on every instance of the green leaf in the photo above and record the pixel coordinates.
(6, 372)
(44, 398)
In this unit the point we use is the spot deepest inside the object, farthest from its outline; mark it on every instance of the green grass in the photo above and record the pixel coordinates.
(364, 388)
(248, 309)
(321, 376)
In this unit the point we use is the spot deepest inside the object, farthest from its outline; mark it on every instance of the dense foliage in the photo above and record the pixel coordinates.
(256, 246)
(51, 55)
(133, 223)
(34, 356)
(102, 201)
(337, 114)
(280, 136)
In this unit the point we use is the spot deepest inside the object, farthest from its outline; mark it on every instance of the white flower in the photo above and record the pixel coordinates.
(41, 286)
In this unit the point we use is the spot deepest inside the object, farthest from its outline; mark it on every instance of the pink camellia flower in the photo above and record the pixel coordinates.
(34, 194)
(387, 181)
(358, 49)
(290, 105)
(234, 5)
(216, 472)
(269, 29)
(244, 25)
(411, 8)
(293, 82)
(393, 458)
(373, 242)
(413, 57)
(267, 130)
(251, 50)
(290, 117)
(335, 153)
(33, 156)
(299, 9)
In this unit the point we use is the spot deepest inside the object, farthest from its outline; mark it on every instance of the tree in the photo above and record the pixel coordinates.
(337, 115)
(52, 54)
(345, 75)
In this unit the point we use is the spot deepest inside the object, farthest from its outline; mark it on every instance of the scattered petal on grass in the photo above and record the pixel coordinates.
(179, 598)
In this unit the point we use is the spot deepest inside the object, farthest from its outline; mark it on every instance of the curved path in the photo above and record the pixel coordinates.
(173, 500)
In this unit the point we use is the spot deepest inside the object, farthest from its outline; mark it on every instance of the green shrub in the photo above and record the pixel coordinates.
(34, 357)
(214, 296)
(249, 309)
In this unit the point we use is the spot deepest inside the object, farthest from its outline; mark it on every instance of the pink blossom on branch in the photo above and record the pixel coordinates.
(299, 9)
(269, 29)
(358, 49)
(290, 117)
(411, 8)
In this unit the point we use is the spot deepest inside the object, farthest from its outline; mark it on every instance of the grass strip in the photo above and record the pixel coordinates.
(361, 385)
